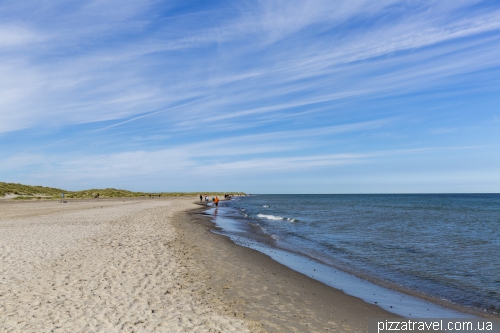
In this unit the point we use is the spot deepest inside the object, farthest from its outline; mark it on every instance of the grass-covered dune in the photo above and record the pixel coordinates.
(28, 192)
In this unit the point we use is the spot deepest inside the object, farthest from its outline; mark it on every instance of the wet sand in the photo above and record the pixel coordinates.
(151, 265)
(252, 286)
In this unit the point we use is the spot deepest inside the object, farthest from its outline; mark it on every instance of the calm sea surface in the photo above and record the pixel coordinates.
(446, 246)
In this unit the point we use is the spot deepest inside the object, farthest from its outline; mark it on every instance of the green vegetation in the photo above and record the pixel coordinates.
(27, 192)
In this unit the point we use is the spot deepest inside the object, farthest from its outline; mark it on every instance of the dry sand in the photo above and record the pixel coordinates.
(151, 265)
(99, 266)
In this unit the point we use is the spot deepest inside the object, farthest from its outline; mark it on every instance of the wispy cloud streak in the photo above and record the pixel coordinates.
(233, 84)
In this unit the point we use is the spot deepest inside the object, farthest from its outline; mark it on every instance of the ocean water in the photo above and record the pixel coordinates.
(434, 246)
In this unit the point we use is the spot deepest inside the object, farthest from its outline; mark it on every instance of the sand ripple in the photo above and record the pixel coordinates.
(113, 267)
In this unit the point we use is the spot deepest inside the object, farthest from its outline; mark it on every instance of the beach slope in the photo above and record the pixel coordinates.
(99, 266)
(151, 265)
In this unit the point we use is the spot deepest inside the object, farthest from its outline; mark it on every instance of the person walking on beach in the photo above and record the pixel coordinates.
(216, 201)
(201, 198)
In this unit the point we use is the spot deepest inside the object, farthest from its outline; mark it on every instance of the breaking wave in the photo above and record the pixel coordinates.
(276, 218)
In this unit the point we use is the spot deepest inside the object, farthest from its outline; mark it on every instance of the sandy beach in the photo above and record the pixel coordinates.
(151, 265)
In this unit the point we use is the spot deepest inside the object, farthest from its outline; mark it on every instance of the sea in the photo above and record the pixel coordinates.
(416, 255)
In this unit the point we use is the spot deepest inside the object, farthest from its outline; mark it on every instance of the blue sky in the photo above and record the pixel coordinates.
(259, 96)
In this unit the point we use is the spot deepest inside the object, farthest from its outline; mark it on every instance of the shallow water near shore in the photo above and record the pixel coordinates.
(444, 247)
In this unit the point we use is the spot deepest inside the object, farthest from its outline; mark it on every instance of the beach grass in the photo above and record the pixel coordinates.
(28, 192)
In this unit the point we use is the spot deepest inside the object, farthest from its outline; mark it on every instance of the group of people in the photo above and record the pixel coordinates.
(214, 200)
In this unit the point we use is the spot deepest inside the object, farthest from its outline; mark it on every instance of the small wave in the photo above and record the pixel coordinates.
(276, 218)
(266, 206)
(270, 217)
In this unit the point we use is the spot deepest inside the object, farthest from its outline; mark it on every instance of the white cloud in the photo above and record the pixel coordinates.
(260, 82)
(15, 36)
(104, 83)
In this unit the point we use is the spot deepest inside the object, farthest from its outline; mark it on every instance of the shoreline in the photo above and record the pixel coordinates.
(392, 297)
(153, 266)
(255, 287)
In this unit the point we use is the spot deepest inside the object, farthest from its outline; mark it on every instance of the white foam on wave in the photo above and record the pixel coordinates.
(276, 218)
(270, 217)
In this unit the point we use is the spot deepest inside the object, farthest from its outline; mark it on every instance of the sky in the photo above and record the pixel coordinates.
(271, 96)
